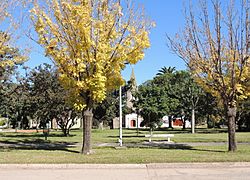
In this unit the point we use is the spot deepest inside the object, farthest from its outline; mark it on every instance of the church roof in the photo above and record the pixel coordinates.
(133, 79)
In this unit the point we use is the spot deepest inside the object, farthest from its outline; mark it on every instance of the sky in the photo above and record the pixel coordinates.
(167, 14)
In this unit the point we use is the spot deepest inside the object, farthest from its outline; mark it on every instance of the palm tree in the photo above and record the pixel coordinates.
(165, 70)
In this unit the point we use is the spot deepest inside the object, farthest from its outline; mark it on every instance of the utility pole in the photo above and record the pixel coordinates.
(120, 107)
(193, 121)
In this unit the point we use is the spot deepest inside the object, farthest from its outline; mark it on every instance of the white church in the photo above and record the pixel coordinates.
(131, 120)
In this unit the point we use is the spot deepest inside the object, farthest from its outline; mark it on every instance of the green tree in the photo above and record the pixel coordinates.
(188, 93)
(209, 110)
(174, 94)
(243, 114)
(147, 103)
(48, 98)
(154, 99)
(16, 101)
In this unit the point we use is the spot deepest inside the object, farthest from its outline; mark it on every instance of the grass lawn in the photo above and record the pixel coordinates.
(32, 148)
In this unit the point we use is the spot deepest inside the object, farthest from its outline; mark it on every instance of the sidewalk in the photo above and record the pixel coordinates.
(172, 171)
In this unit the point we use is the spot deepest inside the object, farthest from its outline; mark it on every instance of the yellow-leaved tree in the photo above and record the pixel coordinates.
(90, 41)
(9, 54)
(215, 46)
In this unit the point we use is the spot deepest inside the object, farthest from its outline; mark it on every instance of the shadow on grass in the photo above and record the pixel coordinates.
(178, 147)
(209, 150)
(181, 130)
(166, 145)
(37, 144)
(34, 135)
(127, 136)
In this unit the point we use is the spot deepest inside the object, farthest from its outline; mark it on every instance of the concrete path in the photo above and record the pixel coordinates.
(173, 171)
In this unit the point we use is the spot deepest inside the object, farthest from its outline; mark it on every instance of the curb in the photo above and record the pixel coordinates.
(127, 166)
(73, 166)
(199, 165)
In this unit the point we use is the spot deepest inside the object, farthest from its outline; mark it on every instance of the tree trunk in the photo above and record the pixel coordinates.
(193, 121)
(64, 132)
(87, 126)
(184, 122)
(231, 114)
(170, 120)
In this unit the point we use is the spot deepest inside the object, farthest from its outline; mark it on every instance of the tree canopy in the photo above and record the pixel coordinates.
(90, 41)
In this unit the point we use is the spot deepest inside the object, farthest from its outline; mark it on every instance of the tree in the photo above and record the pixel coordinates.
(165, 70)
(11, 16)
(243, 114)
(155, 99)
(174, 94)
(66, 118)
(147, 105)
(216, 50)
(188, 93)
(15, 101)
(209, 110)
(10, 59)
(46, 94)
(48, 98)
(10, 56)
(90, 41)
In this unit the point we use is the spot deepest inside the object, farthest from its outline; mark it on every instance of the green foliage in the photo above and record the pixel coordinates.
(37, 96)
(3, 121)
(243, 115)
(172, 93)
(48, 98)
(10, 59)
(107, 110)
(165, 70)
(153, 100)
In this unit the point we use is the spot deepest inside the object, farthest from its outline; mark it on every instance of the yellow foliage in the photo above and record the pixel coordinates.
(90, 42)
(231, 78)
(6, 52)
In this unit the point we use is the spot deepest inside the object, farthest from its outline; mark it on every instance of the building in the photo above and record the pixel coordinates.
(131, 120)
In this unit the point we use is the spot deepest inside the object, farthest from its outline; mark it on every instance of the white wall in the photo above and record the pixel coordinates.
(129, 118)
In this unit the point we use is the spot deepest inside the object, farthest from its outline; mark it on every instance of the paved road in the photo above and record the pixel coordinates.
(176, 171)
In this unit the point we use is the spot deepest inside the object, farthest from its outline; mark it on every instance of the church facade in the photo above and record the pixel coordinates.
(131, 120)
